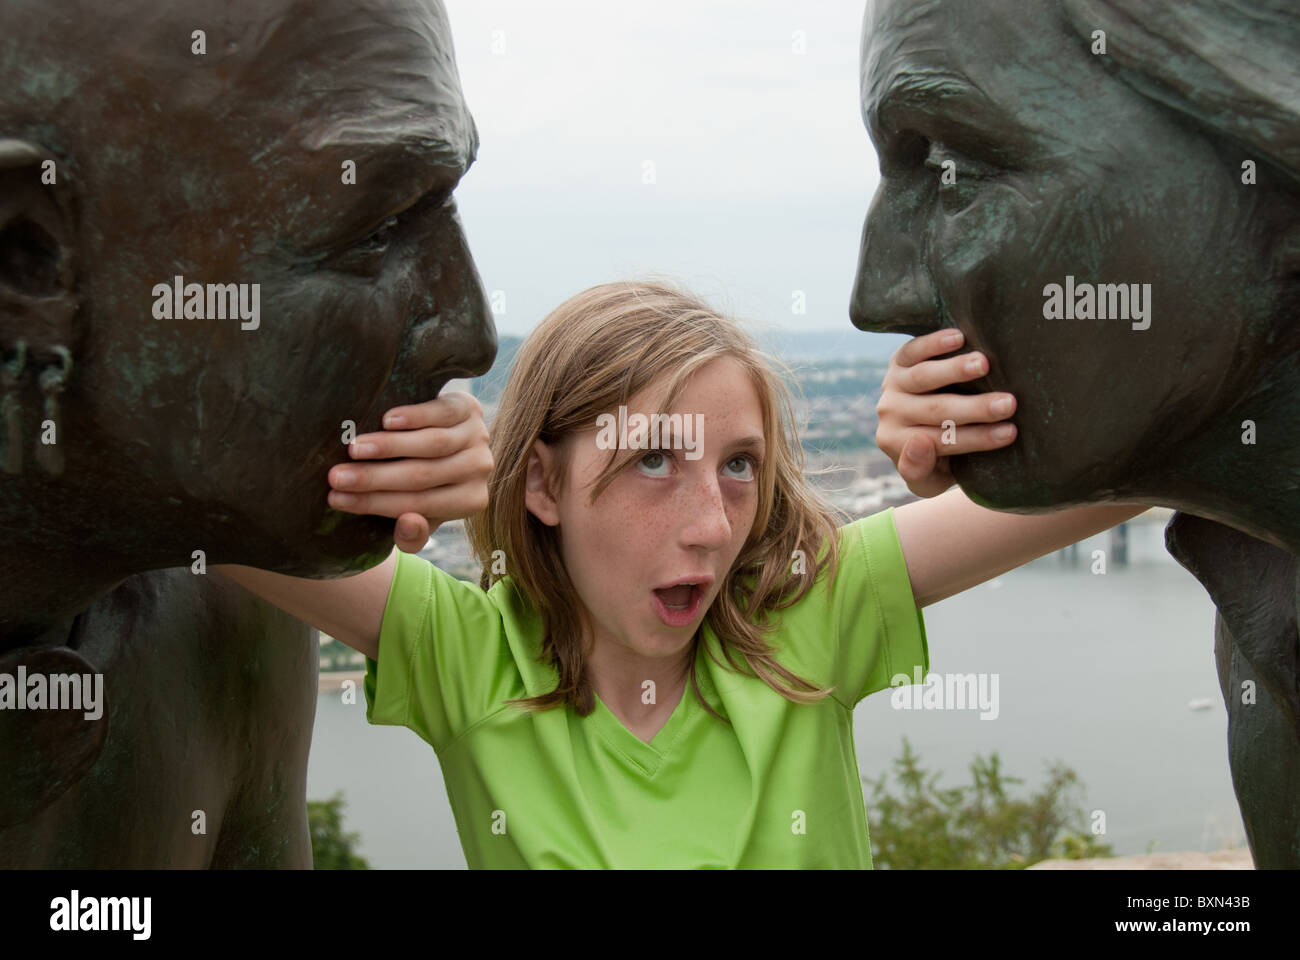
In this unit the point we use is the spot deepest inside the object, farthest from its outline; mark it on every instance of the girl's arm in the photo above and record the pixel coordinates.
(350, 609)
(437, 462)
(951, 543)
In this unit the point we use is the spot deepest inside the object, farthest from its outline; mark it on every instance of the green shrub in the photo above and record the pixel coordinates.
(331, 848)
(975, 827)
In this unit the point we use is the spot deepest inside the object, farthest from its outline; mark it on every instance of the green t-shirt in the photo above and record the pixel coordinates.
(777, 787)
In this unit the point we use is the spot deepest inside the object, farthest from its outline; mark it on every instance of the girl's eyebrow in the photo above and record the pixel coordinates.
(754, 444)
(743, 443)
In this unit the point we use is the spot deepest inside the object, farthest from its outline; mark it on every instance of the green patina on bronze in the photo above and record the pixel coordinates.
(184, 435)
(1120, 163)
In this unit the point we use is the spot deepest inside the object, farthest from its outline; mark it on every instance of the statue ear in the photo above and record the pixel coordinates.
(44, 751)
(37, 242)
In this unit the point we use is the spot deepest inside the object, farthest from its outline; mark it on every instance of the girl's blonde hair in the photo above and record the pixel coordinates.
(591, 354)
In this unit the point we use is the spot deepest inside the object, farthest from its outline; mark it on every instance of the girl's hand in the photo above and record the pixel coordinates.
(911, 418)
(437, 469)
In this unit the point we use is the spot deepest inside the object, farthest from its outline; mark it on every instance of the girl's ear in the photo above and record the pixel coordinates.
(537, 494)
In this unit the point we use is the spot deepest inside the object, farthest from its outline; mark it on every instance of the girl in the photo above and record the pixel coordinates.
(660, 663)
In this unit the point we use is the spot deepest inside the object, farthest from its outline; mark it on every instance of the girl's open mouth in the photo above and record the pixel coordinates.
(677, 606)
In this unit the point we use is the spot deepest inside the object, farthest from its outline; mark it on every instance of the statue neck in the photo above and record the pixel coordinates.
(1254, 487)
(42, 596)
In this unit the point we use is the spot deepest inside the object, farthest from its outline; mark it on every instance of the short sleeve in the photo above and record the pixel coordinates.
(862, 629)
(443, 661)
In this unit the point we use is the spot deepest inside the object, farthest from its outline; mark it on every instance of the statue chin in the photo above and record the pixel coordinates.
(1019, 479)
(346, 543)
(1003, 480)
(343, 544)
(328, 543)
(318, 541)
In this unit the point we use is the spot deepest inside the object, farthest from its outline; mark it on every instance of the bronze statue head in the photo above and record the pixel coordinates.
(225, 230)
(1104, 196)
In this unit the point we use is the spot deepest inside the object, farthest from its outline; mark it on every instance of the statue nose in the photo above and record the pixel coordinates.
(457, 338)
(893, 291)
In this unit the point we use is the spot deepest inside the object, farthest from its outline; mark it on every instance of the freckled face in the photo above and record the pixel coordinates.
(664, 517)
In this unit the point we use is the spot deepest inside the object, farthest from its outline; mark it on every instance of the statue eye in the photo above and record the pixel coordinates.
(377, 242)
(958, 177)
(941, 159)
(366, 256)
(902, 153)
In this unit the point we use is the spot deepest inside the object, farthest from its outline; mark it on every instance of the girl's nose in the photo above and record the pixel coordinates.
(707, 524)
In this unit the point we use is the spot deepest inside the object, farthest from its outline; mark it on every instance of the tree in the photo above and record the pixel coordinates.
(331, 848)
(976, 827)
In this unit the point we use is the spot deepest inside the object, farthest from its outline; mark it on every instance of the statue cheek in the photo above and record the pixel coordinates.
(46, 746)
(995, 233)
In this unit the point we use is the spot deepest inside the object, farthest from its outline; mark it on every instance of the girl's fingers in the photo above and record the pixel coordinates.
(932, 409)
(936, 374)
(929, 345)
(409, 475)
(445, 410)
(439, 505)
(926, 473)
(969, 438)
(426, 443)
(411, 532)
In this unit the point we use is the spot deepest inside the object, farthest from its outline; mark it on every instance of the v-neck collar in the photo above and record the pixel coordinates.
(650, 756)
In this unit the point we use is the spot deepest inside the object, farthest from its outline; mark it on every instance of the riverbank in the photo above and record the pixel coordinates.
(331, 681)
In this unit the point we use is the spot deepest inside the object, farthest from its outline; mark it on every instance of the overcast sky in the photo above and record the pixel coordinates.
(762, 168)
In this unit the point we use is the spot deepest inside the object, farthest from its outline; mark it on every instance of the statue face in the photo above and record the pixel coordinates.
(312, 152)
(1059, 171)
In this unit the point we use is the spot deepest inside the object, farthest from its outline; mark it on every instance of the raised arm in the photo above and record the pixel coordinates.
(349, 609)
(951, 543)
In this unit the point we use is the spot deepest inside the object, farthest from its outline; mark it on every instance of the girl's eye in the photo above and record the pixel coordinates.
(747, 462)
(655, 464)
